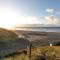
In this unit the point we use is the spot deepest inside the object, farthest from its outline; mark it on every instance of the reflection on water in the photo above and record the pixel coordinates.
(45, 29)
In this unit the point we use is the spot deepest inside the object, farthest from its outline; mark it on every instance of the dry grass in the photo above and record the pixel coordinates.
(50, 53)
(39, 53)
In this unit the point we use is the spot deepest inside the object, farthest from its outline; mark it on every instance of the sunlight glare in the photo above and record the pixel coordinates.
(10, 18)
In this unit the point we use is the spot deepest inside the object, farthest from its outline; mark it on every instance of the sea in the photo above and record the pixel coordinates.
(42, 29)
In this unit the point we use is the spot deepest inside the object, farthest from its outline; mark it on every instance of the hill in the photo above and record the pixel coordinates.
(9, 42)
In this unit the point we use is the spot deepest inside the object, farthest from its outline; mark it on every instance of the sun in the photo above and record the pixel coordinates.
(10, 18)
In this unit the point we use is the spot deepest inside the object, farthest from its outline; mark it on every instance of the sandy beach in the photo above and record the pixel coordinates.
(42, 38)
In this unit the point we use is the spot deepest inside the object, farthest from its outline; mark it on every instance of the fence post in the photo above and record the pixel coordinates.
(29, 50)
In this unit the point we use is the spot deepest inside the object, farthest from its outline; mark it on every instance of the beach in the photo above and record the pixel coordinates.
(40, 38)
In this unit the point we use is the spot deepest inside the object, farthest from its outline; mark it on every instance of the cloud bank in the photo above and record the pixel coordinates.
(52, 20)
(27, 20)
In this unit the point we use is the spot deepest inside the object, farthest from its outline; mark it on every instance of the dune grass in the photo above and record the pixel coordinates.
(39, 53)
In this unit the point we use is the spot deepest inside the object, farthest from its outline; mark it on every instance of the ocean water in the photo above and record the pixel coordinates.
(43, 29)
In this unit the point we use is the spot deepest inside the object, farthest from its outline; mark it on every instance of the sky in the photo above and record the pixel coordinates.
(17, 12)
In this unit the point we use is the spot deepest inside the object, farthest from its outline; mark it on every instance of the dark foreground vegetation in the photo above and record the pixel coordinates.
(39, 53)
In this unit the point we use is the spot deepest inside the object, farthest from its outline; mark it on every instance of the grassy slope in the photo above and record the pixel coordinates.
(50, 53)
(9, 42)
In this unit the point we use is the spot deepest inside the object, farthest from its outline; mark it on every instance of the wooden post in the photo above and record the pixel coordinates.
(29, 51)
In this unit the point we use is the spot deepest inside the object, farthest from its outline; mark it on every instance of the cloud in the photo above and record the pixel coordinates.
(52, 20)
(49, 10)
(28, 20)
(10, 18)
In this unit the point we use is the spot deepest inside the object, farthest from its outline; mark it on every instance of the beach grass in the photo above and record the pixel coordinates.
(38, 53)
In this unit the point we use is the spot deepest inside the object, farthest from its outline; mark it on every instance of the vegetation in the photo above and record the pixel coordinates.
(7, 35)
(47, 53)
(7, 38)
(42, 53)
